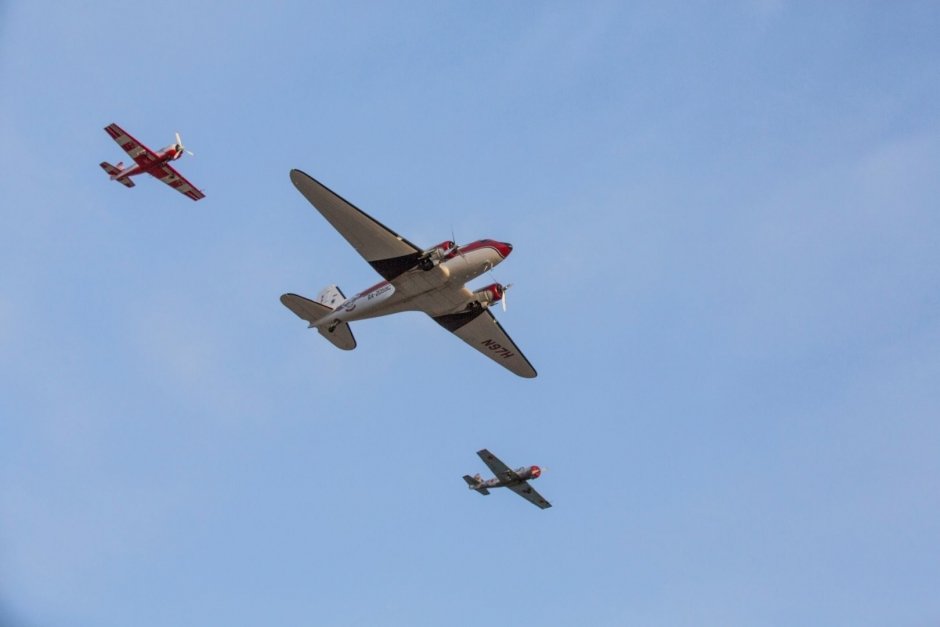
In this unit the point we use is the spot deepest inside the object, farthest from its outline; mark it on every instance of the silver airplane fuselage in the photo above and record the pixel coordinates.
(437, 291)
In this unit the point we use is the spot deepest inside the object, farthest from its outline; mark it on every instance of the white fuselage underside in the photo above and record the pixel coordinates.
(436, 292)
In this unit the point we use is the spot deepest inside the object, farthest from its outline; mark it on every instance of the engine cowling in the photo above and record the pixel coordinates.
(490, 294)
(535, 472)
(434, 255)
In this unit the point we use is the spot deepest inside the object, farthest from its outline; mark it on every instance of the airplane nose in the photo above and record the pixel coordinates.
(507, 248)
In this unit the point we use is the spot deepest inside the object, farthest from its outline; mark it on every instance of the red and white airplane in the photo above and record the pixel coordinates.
(416, 279)
(156, 164)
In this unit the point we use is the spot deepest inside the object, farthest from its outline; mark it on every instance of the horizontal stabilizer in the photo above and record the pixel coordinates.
(110, 169)
(114, 170)
(341, 336)
(474, 483)
(305, 309)
(313, 312)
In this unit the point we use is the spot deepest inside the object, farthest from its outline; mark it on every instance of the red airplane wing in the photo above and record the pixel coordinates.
(176, 180)
(137, 151)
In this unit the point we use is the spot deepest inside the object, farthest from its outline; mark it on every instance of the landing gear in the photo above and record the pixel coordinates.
(333, 326)
(426, 263)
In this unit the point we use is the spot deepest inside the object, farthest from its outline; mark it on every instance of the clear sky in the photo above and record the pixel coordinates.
(726, 230)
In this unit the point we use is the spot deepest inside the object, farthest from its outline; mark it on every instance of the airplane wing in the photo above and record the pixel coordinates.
(479, 329)
(386, 251)
(501, 470)
(174, 179)
(528, 493)
(137, 151)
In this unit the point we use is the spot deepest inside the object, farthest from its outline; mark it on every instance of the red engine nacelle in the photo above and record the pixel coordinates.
(444, 246)
(435, 255)
(535, 472)
(490, 294)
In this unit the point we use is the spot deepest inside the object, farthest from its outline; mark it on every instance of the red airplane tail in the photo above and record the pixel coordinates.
(114, 171)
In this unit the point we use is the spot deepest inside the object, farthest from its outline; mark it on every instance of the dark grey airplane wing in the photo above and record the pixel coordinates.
(501, 470)
(528, 493)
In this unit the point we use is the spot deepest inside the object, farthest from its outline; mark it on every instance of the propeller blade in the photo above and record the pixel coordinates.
(505, 290)
(181, 147)
(453, 240)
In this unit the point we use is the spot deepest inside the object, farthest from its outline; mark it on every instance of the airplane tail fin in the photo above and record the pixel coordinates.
(115, 170)
(331, 296)
(474, 483)
(314, 312)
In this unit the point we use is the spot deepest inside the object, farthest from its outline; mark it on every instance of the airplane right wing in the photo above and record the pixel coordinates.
(528, 493)
(386, 251)
(137, 151)
(501, 470)
(177, 181)
(479, 329)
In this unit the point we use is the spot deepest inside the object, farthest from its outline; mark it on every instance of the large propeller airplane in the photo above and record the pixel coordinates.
(431, 280)
(156, 164)
(516, 480)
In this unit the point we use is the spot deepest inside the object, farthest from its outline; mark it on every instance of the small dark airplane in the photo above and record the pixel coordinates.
(515, 480)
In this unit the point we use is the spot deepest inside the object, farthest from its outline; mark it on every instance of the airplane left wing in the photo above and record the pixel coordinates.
(528, 493)
(501, 470)
(137, 151)
(174, 179)
(386, 251)
(479, 329)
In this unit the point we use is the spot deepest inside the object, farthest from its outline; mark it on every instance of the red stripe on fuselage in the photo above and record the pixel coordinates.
(373, 288)
(501, 248)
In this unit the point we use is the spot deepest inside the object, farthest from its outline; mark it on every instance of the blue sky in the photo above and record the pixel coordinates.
(726, 232)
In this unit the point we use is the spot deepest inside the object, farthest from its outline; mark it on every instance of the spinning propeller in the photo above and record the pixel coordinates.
(180, 147)
(505, 289)
(456, 248)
